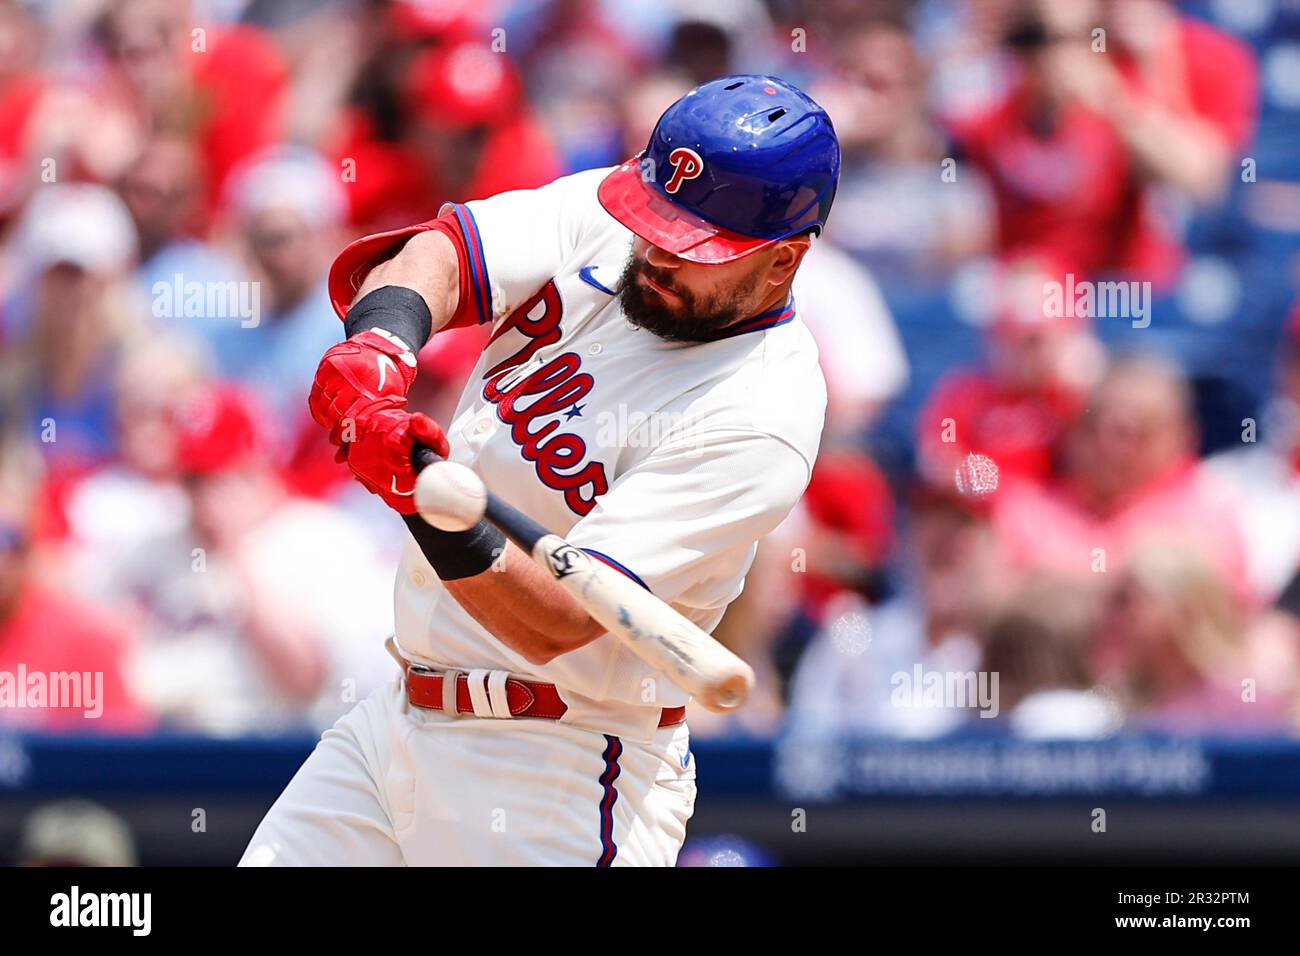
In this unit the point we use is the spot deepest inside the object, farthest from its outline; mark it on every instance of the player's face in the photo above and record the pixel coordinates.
(688, 301)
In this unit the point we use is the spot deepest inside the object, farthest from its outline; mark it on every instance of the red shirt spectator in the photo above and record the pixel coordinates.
(1076, 142)
(20, 98)
(1016, 427)
(226, 86)
(1056, 527)
(1068, 193)
(470, 135)
(852, 511)
(46, 636)
(1014, 410)
(1130, 480)
(240, 83)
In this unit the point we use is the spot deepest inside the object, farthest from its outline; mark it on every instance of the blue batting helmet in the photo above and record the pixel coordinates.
(732, 167)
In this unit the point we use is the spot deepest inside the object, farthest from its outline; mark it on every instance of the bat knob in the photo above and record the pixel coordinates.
(730, 692)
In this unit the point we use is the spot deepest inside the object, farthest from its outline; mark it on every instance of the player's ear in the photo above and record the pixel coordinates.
(789, 253)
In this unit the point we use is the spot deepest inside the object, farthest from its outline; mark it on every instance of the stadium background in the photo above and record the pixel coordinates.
(1101, 509)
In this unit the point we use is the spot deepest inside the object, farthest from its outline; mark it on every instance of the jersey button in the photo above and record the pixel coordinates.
(482, 426)
(595, 348)
(418, 579)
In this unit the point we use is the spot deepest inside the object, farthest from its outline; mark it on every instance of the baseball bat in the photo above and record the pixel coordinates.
(656, 633)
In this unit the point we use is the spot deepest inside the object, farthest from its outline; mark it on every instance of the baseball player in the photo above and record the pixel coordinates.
(648, 392)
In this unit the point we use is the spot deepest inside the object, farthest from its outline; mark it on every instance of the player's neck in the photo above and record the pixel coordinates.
(776, 299)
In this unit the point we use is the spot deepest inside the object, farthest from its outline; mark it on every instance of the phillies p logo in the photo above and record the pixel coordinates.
(686, 165)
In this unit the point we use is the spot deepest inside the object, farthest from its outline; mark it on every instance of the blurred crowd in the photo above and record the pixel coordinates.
(176, 176)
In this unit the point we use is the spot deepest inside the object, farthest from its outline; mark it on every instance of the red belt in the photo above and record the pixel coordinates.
(525, 698)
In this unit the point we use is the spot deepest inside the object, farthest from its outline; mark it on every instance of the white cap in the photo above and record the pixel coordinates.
(80, 223)
(77, 832)
(292, 178)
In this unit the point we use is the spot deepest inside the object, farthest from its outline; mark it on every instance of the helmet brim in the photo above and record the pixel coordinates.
(640, 207)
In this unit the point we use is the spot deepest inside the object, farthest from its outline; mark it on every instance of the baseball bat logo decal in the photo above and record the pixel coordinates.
(686, 165)
(566, 559)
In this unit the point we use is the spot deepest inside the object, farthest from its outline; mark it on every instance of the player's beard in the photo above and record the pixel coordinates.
(691, 318)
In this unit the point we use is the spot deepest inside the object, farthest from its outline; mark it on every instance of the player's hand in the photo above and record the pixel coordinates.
(355, 373)
(380, 453)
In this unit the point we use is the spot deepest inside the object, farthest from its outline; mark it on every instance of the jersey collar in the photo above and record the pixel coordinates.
(759, 323)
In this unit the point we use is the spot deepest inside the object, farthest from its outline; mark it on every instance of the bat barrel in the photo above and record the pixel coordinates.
(654, 631)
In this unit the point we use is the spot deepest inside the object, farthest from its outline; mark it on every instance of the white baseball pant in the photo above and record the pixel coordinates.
(391, 785)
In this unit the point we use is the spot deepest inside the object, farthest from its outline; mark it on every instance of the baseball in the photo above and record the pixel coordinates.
(450, 496)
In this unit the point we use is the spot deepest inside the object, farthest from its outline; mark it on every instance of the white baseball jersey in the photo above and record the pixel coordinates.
(666, 460)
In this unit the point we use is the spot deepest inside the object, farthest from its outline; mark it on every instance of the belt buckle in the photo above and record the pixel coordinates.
(449, 678)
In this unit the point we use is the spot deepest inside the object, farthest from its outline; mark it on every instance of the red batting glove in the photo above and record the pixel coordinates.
(359, 394)
(371, 365)
(380, 454)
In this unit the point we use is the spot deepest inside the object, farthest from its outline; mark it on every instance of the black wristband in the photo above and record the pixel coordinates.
(395, 308)
(457, 554)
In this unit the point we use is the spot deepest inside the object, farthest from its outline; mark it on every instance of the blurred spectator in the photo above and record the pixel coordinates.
(224, 84)
(424, 21)
(472, 131)
(70, 316)
(827, 555)
(1015, 410)
(163, 190)
(1265, 474)
(643, 103)
(267, 611)
(962, 45)
(1130, 476)
(705, 42)
(138, 496)
(615, 45)
(75, 833)
(287, 207)
(836, 542)
(851, 535)
(23, 93)
(955, 578)
(700, 49)
(1039, 645)
(896, 209)
(456, 126)
(860, 351)
(1092, 143)
(1172, 644)
(60, 660)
